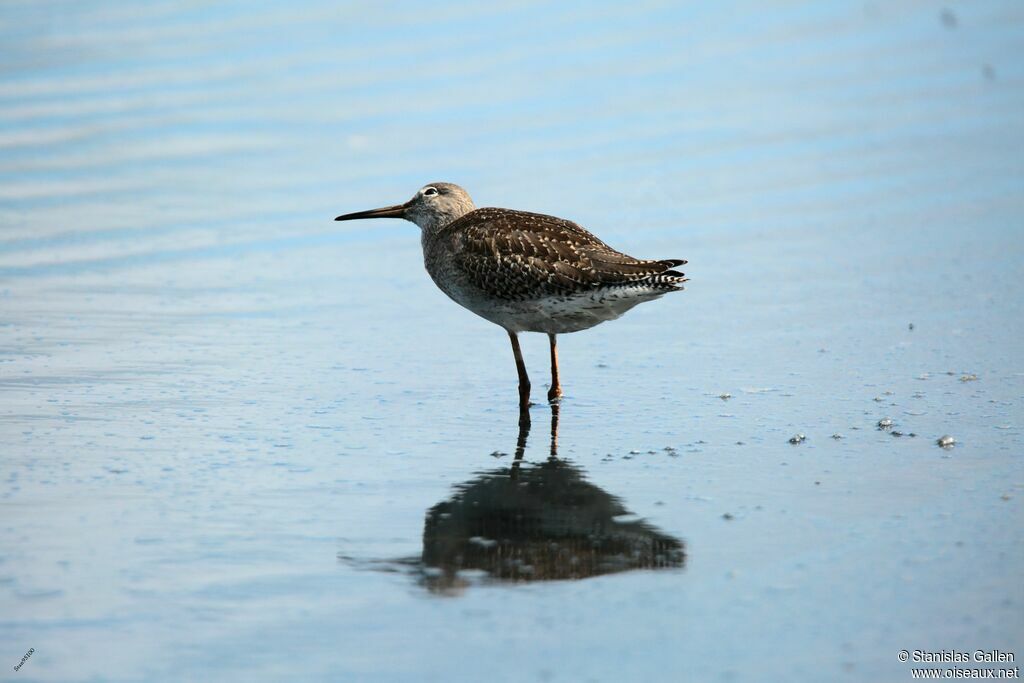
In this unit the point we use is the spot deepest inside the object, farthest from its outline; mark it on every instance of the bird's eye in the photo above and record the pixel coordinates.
(429, 191)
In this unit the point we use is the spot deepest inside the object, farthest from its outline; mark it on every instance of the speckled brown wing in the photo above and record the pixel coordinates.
(515, 255)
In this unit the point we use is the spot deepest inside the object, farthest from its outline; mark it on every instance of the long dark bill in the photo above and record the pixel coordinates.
(396, 211)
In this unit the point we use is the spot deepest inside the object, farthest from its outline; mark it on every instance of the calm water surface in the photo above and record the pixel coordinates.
(244, 442)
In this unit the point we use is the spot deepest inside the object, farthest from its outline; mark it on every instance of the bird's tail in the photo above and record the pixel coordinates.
(670, 278)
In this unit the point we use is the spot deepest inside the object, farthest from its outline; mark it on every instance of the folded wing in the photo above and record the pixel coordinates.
(517, 255)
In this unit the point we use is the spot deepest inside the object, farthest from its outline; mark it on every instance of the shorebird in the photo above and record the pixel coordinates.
(526, 272)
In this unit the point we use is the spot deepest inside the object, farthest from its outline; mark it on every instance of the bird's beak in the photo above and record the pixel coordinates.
(396, 211)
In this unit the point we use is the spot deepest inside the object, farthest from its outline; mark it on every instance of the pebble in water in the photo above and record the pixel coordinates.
(797, 438)
(725, 396)
(837, 436)
(885, 423)
(946, 441)
(970, 377)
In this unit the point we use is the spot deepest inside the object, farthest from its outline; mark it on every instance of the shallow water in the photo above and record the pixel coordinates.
(227, 419)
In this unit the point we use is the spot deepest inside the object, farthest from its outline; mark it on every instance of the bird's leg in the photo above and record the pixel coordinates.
(555, 392)
(524, 380)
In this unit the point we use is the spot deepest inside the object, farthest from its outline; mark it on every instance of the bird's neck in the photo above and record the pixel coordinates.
(435, 222)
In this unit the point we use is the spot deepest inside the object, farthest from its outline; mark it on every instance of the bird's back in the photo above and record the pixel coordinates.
(538, 273)
(516, 255)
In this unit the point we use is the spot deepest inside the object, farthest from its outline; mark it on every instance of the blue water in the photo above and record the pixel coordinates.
(230, 426)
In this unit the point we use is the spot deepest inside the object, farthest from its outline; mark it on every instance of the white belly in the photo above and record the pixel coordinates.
(561, 314)
(553, 314)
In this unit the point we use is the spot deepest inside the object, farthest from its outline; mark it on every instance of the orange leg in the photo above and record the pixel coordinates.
(555, 392)
(524, 379)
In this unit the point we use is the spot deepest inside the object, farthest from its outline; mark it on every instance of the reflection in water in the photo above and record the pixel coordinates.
(535, 523)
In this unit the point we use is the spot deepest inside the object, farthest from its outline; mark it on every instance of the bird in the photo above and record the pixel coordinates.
(526, 272)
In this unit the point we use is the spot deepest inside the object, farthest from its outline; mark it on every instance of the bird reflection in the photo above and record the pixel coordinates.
(535, 522)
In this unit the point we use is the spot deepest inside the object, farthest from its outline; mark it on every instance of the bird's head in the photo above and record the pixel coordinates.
(432, 207)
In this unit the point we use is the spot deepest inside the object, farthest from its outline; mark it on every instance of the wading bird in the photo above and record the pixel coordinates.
(526, 272)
